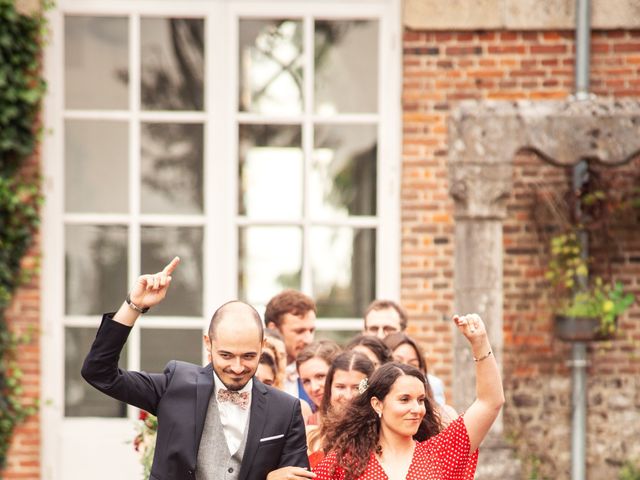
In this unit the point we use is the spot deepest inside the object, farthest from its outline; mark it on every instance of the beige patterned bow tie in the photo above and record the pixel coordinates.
(240, 399)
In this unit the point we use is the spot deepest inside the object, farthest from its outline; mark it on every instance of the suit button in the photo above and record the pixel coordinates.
(189, 472)
(230, 470)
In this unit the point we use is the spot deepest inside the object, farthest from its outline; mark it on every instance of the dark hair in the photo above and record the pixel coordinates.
(269, 361)
(394, 340)
(355, 431)
(373, 343)
(346, 361)
(385, 304)
(288, 301)
(327, 350)
(222, 311)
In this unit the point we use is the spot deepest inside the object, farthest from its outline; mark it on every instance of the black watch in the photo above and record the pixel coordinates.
(134, 306)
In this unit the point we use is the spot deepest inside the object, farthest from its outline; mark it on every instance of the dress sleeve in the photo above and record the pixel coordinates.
(449, 452)
(327, 469)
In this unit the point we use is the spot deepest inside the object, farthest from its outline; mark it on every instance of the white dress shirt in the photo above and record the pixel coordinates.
(291, 380)
(232, 417)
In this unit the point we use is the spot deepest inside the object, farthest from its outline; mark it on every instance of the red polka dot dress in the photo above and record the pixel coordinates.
(442, 457)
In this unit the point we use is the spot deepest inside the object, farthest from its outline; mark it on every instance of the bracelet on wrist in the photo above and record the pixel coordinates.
(484, 357)
(135, 307)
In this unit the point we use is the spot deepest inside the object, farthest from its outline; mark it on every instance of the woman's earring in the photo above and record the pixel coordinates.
(379, 414)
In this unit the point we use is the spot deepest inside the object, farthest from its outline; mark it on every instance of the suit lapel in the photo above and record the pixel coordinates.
(257, 418)
(204, 387)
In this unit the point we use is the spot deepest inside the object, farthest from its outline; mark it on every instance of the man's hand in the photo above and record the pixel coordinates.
(290, 473)
(148, 291)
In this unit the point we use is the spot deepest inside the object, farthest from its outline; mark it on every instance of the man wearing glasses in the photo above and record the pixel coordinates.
(384, 317)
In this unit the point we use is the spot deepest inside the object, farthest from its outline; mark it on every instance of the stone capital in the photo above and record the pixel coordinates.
(480, 190)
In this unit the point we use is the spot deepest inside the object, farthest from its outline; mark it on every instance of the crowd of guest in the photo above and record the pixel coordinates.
(326, 376)
(368, 411)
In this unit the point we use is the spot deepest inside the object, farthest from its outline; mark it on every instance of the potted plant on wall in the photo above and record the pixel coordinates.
(586, 306)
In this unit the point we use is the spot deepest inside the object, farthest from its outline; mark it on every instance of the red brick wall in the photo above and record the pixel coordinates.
(441, 69)
(23, 316)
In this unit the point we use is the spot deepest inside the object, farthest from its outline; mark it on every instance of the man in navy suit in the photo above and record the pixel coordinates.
(214, 422)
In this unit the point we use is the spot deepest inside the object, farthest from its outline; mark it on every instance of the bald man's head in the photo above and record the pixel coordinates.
(240, 313)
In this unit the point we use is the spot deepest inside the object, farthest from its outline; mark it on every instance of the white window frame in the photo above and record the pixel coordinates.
(220, 199)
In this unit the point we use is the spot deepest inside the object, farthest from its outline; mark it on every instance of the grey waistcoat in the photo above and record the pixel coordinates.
(214, 460)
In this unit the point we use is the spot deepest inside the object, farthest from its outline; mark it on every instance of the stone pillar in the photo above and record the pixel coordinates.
(480, 191)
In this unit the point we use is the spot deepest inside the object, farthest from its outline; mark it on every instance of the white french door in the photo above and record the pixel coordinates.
(259, 141)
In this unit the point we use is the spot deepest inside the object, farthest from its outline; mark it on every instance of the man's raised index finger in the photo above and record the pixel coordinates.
(172, 266)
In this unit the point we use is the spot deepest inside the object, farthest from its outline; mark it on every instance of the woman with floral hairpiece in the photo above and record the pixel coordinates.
(346, 377)
(392, 432)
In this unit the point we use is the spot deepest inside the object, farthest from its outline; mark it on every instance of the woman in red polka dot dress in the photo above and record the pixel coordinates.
(391, 431)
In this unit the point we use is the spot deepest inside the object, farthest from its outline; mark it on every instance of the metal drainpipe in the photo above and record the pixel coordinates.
(578, 362)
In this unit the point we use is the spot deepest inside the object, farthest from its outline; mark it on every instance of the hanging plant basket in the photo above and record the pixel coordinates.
(579, 329)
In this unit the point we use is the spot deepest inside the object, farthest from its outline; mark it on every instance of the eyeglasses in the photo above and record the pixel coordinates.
(386, 329)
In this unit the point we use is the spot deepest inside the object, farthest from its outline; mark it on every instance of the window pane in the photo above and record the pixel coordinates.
(341, 337)
(171, 170)
(95, 268)
(96, 56)
(271, 178)
(159, 345)
(270, 260)
(159, 246)
(96, 166)
(344, 172)
(346, 66)
(344, 270)
(80, 398)
(270, 59)
(172, 57)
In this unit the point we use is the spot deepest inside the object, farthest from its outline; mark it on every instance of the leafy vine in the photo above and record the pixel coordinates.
(21, 90)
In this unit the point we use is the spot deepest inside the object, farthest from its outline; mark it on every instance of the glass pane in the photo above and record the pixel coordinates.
(171, 168)
(159, 345)
(159, 246)
(96, 57)
(95, 268)
(270, 66)
(270, 260)
(341, 337)
(271, 178)
(346, 66)
(80, 398)
(343, 262)
(344, 171)
(172, 58)
(96, 168)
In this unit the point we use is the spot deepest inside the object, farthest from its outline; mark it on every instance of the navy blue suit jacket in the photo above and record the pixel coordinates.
(179, 397)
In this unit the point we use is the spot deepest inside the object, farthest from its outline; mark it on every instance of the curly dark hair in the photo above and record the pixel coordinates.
(354, 433)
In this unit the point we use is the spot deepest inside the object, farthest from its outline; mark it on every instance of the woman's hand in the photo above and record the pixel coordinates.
(472, 327)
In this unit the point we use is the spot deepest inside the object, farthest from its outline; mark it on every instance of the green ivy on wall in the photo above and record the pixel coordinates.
(21, 89)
